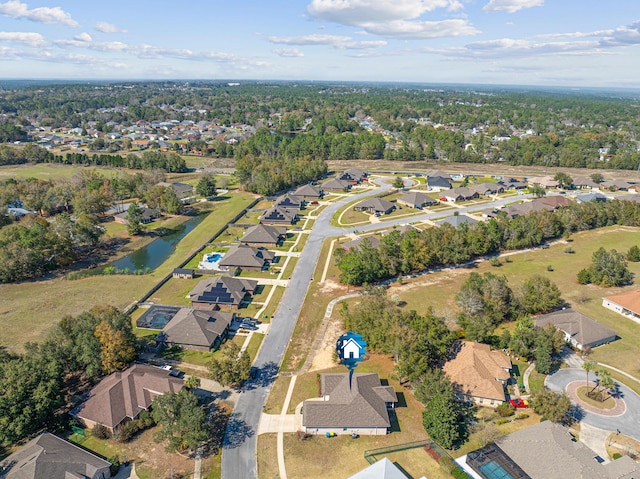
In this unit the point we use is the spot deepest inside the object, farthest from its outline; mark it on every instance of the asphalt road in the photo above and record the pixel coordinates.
(240, 443)
(627, 423)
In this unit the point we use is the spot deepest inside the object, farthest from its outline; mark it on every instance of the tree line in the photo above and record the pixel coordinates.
(37, 385)
(411, 251)
(149, 160)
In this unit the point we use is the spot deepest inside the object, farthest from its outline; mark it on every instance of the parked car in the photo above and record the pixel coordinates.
(519, 403)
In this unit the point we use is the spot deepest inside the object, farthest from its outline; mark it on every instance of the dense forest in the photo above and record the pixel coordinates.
(287, 121)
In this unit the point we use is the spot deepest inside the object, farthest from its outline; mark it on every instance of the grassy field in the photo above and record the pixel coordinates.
(342, 456)
(437, 290)
(44, 171)
(267, 458)
(30, 308)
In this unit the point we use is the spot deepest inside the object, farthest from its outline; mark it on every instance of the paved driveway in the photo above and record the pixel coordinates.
(627, 423)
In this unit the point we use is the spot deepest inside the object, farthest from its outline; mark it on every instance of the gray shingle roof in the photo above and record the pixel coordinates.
(335, 184)
(415, 198)
(546, 450)
(196, 327)
(222, 290)
(362, 405)
(50, 457)
(125, 393)
(264, 234)
(378, 205)
(243, 256)
(308, 191)
(458, 220)
(578, 327)
(279, 215)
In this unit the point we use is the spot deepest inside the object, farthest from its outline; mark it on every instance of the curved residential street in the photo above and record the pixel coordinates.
(240, 442)
(627, 422)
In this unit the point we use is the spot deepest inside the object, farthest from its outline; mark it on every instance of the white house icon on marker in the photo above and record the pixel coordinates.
(351, 349)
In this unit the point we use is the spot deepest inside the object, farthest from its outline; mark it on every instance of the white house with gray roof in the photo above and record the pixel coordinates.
(361, 407)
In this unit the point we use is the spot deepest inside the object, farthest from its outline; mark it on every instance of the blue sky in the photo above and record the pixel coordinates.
(517, 42)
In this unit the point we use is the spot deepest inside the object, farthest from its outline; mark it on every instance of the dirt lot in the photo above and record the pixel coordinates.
(473, 168)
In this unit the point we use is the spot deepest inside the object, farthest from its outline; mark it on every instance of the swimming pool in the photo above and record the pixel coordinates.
(157, 317)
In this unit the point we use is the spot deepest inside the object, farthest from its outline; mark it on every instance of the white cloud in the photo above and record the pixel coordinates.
(336, 41)
(358, 12)
(397, 19)
(417, 30)
(288, 52)
(17, 9)
(314, 39)
(28, 38)
(83, 37)
(105, 27)
(511, 6)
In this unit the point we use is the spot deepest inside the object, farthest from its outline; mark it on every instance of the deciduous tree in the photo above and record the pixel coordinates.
(182, 421)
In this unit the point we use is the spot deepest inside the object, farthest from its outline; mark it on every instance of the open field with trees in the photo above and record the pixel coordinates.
(49, 300)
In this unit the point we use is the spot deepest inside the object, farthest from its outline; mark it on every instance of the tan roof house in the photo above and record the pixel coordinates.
(478, 374)
(196, 329)
(50, 457)
(124, 394)
(360, 408)
(626, 304)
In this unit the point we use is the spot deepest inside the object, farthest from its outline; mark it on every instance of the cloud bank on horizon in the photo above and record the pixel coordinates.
(457, 41)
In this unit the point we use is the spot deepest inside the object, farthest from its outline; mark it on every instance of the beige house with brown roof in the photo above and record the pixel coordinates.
(359, 408)
(478, 374)
(124, 394)
(626, 304)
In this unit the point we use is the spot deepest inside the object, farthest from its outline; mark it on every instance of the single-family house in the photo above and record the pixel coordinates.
(337, 185)
(457, 220)
(415, 199)
(277, 215)
(614, 185)
(593, 196)
(353, 176)
(183, 191)
(547, 450)
(554, 202)
(49, 457)
(478, 374)
(183, 273)
(459, 194)
(264, 235)
(579, 330)
(222, 291)
(308, 192)
(196, 329)
(582, 182)
(357, 405)
(289, 202)
(375, 205)
(124, 394)
(357, 243)
(438, 183)
(247, 258)
(485, 189)
(148, 215)
(544, 181)
(626, 304)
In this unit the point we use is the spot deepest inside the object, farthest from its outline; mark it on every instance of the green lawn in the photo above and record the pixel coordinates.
(437, 290)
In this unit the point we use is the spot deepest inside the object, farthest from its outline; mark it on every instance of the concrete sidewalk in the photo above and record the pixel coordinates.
(127, 472)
